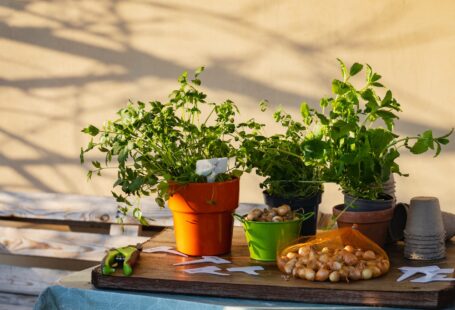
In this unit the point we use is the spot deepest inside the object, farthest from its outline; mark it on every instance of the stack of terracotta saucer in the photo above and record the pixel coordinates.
(424, 234)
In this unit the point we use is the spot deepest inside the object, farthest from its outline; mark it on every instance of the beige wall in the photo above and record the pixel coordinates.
(64, 64)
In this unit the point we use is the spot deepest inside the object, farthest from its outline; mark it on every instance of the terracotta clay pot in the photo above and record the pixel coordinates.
(373, 224)
(202, 215)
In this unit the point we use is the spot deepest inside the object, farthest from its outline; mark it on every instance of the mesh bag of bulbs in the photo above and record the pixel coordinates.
(343, 254)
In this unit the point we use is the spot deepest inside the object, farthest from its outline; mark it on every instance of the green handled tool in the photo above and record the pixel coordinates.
(125, 256)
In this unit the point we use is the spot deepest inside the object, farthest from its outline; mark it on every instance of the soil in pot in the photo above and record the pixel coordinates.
(373, 224)
(202, 214)
(309, 204)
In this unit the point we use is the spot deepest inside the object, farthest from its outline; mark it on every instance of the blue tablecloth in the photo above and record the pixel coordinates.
(64, 298)
(75, 292)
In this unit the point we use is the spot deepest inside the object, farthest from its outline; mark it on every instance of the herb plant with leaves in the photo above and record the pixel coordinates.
(361, 150)
(154, 144)
(291, 161)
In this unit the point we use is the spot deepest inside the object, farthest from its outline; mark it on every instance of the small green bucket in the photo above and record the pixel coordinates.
(266, 238)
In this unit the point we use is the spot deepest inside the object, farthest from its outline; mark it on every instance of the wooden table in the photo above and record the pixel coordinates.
(156, 273)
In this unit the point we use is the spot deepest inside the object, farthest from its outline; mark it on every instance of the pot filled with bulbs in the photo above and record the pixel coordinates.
(269, 229)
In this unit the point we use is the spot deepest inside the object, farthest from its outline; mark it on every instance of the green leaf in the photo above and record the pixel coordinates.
(96, 164)
(143, 221)
(387, 99)
(388, 118)
(443, 141)
(427, 134)
(369, 73)
(305, 112)
(324, 102)
(355, 68)
(123, 155)
(322, 118)
(263, 105)
(136, 184)
(438, 150)
(81, 156)
(368, 95)
(137, 213)
(91, 130)
(421, 146)
(344, 71)
(375, 77)
(163, 186)
(199, 71)
(237, 173)
(159, 201)
(182, 78)
(339, 87)
(379, 139)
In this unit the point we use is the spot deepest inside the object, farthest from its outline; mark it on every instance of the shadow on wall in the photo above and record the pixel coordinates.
(137, 63)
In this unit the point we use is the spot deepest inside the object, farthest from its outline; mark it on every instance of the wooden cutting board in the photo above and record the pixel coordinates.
(156, 273)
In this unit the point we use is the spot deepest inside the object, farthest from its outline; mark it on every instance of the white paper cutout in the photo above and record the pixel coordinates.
(211, 167)
(165, 249)
(431, 273)
(209, 269)
(205, 259)
(249, 270)
(436, 277)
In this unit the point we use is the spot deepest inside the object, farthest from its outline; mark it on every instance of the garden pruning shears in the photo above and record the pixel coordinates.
(125, 256)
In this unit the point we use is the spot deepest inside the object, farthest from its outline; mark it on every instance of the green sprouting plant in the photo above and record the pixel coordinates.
(290, 162)
(361, 151)
(153, 144)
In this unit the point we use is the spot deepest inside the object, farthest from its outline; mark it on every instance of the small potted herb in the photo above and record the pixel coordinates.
(362, 148)
(290, 162)
(157, 148)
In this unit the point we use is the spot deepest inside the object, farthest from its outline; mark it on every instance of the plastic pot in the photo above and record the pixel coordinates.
(202, 214)
(355, 204)
(308, 204)
(373, 224)
(266, 238)
(400, 216)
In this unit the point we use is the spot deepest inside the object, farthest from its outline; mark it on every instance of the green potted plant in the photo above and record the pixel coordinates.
(179, 151)
(291, 163)
(362, 148)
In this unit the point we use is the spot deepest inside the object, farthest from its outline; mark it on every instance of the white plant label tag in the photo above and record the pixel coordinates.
(431, 273)
(163, 249)
(210, 168)
(209, 269)
(433, 278)
(248, 270)
(205, 259)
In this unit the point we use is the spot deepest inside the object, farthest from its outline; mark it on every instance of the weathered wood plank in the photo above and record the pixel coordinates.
(16, 302)
(28, 281)
(49, 243)
(46, 262)
(56, 206)
(78, 208)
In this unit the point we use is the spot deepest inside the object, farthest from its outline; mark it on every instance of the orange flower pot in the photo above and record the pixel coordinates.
(203, 218)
